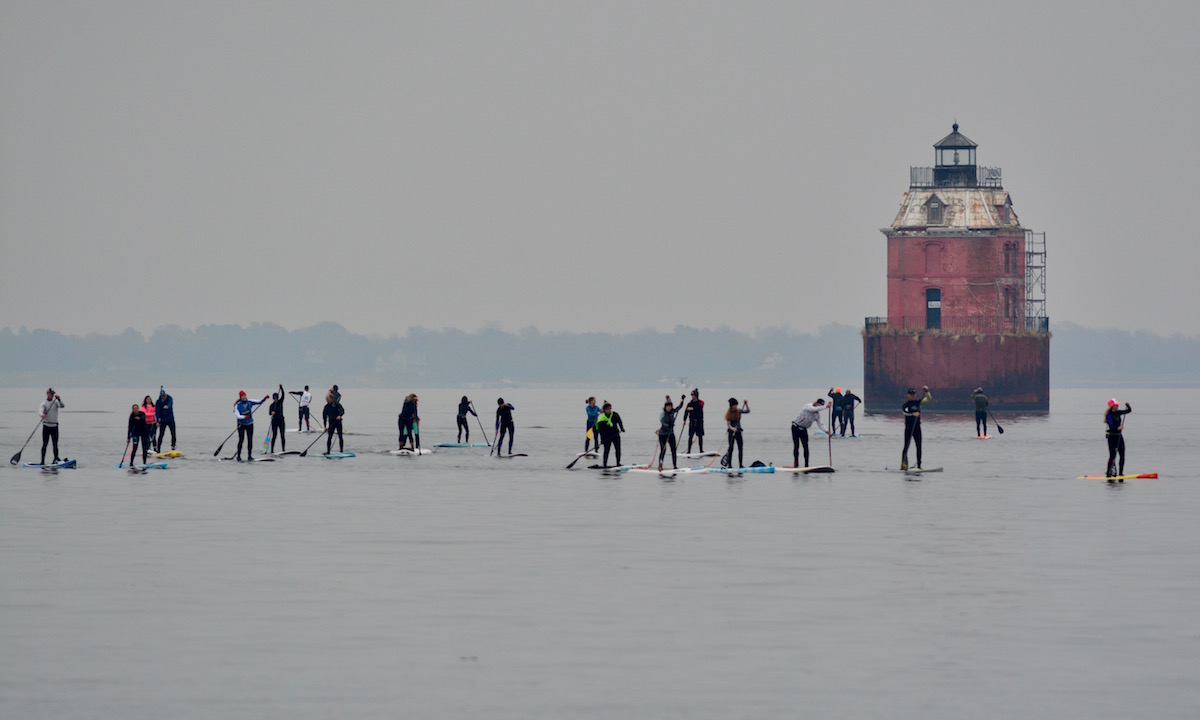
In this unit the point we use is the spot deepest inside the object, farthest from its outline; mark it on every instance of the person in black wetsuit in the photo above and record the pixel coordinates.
(849, 402)
(733, 427)
(164, 412)
(666, 434)
(332, 417)
(981, 405)
(836, 405)
(1113, 427)
(504, 423)
(138, 431)
(278, 427)
(609, 428)
(49, 414)
(464, 407)
(693, 415)
(407, 421)
(912, 424)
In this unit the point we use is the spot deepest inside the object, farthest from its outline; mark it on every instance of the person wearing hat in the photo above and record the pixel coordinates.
(849, 402)
(733, 427)
(609, 427)
(809, 414)
(981, 405)
(304, 397)
(912, 424)
(244, 411)
(278, 427)
(666, 434)
(164, 411)
(693, 415)
(836, 395)
(49, 414)
(1113, 427)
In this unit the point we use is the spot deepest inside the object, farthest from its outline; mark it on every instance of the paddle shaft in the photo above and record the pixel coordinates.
(17, 458)
(480, 422)
(996, 423)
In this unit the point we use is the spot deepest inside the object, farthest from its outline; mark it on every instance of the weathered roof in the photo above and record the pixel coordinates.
(963, 209)
(955, 140)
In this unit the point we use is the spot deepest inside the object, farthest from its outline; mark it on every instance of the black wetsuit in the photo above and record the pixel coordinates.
(504, 423)
(332, 416)
(912, 428)
(464, 407)
(981, 404)
(278, 428)
(1116, 440)
(137, 431)
(666, 436)
(849, 401)
(609, 429)
(837, 412)
(164, 412)
(734, 431)
(694, 413)
(408, 417)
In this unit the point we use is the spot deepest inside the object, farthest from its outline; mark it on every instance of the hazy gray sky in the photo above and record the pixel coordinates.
(573, 166)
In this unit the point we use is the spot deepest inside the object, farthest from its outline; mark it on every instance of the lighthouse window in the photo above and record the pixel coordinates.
(935, 213)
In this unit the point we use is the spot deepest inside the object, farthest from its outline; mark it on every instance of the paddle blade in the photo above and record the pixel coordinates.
(15, 458)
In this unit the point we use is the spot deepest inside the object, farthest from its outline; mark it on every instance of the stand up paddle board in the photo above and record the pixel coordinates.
(169, 454)
(460, 445)
(61, 464)
(743, 470)
(512, 455)
(285, 453)
(807, 470)
(407, 452)
(160, 465)
(337, 455)
(698, 455)
(257, 459)
(983, 437)
(1139, 476)
(919, 471)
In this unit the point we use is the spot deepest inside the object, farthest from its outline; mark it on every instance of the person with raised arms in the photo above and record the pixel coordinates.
(981, 408)
(464, 407)
(809, 414)
(609, 427)
(912, 424)
(1113, 432)
(693, 415)
(733, 427)
(407, 420)
(591, 436)
(849, 402)
(304, 397)
(137, 430)
(666, 434)
(331, 415)
(278, 429)
(164, 411)
(49, 414)
(148, 408)
(244, 411)
(836, 395)
(504, 424)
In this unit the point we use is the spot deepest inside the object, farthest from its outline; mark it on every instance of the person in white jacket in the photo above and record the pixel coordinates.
(800, 425)
(49, 413)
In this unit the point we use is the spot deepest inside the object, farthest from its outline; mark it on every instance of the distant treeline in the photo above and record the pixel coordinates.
(266, 353)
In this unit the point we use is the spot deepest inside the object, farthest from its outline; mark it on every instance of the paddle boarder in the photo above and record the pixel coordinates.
(981, 405)
(591, 436)
(809, 414)
(609, 427)
(138, 431)
(49, 414)
(278, 428)
(836, 395)
(164, 410)
(244, 410)
(504, 423)
(912, 424)
(304, 397)
(849, 402)
(666, 434)
(733, 428)
(1113, 427)
(693, 415)
(407, 419)
(332, 417)
(464, 407)
(148, 408)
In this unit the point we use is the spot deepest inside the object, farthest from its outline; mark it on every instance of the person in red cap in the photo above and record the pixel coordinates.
(1113, 425)
(244, 410)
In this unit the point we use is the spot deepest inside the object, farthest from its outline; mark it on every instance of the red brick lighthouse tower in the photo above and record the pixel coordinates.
(966, 294)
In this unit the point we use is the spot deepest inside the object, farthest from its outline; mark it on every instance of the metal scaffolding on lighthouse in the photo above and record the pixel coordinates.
(1036, 319)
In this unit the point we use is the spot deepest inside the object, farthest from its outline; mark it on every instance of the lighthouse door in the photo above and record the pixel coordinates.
(933, 309)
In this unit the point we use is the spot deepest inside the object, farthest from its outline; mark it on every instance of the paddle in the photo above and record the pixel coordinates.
(314, 442)
(683, 423)
(127, 441)
(17, 458)
(218, 450)
(829, 436)
(481, 430)
(996, 423)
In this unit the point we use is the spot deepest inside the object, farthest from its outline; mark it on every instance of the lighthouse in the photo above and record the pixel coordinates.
(966, 293)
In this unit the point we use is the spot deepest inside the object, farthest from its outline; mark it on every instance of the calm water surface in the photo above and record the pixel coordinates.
(462, 586)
